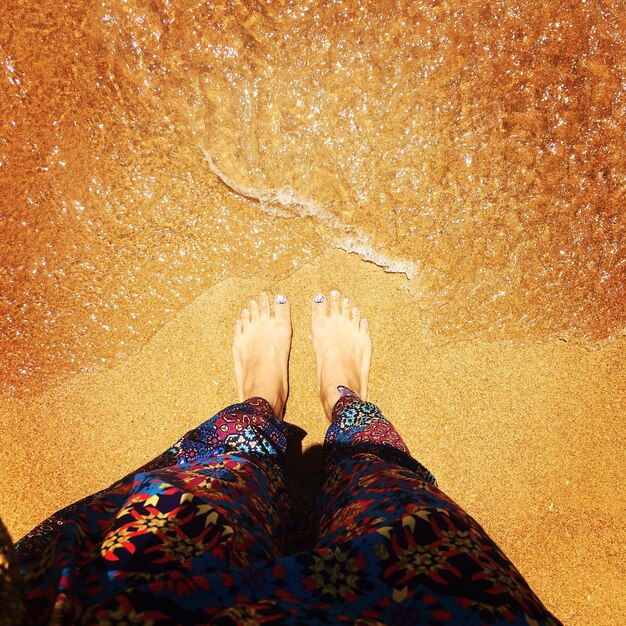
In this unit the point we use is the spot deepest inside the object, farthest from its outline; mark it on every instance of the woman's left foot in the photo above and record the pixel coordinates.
(261, 346)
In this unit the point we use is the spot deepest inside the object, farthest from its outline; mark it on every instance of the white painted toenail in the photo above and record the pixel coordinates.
(319, 298)
(245, 312)
(334, 294)
(281, 299)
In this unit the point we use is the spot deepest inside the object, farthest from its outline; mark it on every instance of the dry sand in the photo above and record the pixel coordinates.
(528, 439)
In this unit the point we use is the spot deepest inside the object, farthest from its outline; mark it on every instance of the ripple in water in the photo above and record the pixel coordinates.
(148, 152)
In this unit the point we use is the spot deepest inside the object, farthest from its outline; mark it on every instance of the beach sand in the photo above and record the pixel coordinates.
(527, 438)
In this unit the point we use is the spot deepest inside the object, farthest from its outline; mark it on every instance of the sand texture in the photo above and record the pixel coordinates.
(163, 162)
(528, 439)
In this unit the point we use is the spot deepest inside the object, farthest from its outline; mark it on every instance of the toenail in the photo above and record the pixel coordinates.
(334, 293)
(281, 299)
(245, 312)
(319, 298)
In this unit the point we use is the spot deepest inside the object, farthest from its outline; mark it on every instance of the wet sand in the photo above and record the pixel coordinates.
(528, 439)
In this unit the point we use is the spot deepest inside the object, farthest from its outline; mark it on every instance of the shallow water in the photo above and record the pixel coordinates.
(149, 150)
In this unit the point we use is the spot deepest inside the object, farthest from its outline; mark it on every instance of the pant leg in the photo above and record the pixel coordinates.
(213, 501)
(11, 603)
(434, 559)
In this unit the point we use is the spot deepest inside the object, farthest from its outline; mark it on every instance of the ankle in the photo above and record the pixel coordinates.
(328, 396)
(275, 396)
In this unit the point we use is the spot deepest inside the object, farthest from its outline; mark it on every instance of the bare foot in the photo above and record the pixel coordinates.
(261, 348)
(343, 348)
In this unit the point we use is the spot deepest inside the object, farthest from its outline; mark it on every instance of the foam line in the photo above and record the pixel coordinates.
(354, 240)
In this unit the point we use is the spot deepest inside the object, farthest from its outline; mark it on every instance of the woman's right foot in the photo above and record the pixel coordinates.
(343, 348)
(261, 346)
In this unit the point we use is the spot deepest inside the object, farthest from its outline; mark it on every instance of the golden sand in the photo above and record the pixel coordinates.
(160, 163)
(529, 440)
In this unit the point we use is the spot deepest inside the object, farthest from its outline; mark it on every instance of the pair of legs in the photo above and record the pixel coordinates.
(262, 343)
(198, 534)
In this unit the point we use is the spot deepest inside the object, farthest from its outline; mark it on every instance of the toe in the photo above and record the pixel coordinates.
(356, 315)
(264, 306)
(346, 311)
(254, 310)
(364, 326)
(319, 306)
(281, 308)
(334, 301)
(245, 318)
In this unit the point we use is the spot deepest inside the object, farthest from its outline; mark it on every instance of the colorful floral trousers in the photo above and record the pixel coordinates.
(198, 536)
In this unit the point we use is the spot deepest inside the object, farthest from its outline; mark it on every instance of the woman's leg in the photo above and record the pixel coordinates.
(419, 552)
(213, 501)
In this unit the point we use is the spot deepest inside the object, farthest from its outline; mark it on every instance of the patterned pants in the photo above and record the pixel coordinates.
(198, 535)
